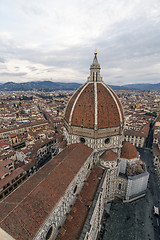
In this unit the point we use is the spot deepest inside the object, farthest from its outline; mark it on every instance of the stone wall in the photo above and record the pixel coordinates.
(89, 132)
(156, 159)
(103, 143)
(121, 187)
(137, 185)
(92, 224)
(136, 141)
(111, 177)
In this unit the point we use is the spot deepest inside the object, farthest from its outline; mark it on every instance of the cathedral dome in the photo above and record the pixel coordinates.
(94, 106)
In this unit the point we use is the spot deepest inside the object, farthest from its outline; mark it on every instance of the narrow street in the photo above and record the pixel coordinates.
(150, 136)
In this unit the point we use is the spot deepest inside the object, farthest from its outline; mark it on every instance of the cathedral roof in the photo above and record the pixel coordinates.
(94, 105)
(128, 151)
(74, 223)
(28, 206)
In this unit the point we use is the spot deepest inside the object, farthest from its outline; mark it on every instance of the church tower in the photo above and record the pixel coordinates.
(94, 114)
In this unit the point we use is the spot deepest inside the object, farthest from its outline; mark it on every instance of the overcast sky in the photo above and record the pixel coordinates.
(55, 40)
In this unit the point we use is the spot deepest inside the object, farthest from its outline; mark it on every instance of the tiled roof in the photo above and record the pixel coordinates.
(108, 115)
(13, 135)
(128, 151)
(62, 144)
(70, 104)
(10, 177)
(109, 155)
(84, 110)
(73, 225)
(118, 102)
(3, 171)
(142, 133)
(5, 162)
(3, 144)
(31, 124)
(25, 210)
(82, 113)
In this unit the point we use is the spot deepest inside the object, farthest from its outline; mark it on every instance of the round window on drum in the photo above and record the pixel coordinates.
(107, 140)
(82, 140)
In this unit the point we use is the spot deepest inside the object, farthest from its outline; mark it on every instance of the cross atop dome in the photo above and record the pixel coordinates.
(95, 70)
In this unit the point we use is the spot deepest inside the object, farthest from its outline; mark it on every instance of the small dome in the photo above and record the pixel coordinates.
(128, 151)
(109, 155)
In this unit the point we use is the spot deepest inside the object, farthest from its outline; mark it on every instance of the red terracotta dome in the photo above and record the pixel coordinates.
(94, 105)
(128, 151)
(109, 155)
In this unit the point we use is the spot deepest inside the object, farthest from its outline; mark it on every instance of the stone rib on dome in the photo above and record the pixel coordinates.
(119, 103)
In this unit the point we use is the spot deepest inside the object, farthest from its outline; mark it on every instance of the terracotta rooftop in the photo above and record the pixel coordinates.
(109, 155)
(70, 104)
(10, 177)
(25, 209)
(73, 225)
(7, 154)
(31, 124)
(142, 133)
(128, 151)
(136, 168)
(3, 144)
(13, 135)
(3, 171)
(62, 144)
(5, 162)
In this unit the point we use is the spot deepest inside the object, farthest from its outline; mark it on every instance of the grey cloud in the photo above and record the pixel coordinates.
(16, 68)
(133, 41)
(29, 9)
(13, 74)
(33, 69)
(2, 60)
(119, 76)
(130, 45)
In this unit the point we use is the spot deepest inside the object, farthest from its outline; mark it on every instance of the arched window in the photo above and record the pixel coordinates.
(49, 233)
(75, 190)
(89, 166)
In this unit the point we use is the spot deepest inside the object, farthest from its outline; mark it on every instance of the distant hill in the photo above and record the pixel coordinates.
(143, 86)
(114, 87)
(51, 86)
(39, 85)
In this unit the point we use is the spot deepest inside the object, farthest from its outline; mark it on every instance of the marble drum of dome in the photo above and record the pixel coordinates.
(94, 113)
